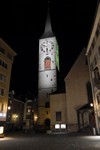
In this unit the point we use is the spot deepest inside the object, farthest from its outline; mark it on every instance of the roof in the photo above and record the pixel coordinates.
(48, 29)
(85, 107)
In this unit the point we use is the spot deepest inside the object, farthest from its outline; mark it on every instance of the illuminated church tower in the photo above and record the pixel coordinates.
(47, 74)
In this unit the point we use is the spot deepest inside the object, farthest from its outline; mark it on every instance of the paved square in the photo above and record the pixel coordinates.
(33, 141)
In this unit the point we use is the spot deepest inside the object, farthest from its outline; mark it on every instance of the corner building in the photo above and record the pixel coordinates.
(6, 60)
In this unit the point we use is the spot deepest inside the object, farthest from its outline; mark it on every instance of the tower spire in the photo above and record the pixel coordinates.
(48, 29)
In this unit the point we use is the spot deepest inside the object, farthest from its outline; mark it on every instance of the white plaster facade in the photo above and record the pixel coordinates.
(93, 56)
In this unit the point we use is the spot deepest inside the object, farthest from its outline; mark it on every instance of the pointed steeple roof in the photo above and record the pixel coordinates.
(48, 29)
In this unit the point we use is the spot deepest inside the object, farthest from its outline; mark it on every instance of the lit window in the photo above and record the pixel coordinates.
(29, 110)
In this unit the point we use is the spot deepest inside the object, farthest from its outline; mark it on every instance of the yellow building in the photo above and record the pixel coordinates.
(6, 59)
(93, 56)
(58, 112)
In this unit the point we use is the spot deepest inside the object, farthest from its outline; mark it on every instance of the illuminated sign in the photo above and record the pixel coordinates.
(57, 126)
(63, 126)
(1, 130)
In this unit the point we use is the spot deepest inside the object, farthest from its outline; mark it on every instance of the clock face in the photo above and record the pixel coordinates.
(47, 46)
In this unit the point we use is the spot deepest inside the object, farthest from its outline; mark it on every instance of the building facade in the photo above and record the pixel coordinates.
(93, 56)
(30, 115)
(14, 120)
(76, 83)
(47, 75)
(6, 60)
(58, 113)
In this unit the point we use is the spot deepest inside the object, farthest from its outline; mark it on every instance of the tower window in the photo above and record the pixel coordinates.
(46, 51)
(47, 63)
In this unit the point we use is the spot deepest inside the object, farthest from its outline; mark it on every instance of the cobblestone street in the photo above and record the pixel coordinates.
(32, 141)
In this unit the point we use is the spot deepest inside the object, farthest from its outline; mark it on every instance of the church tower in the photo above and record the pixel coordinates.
(47, 73)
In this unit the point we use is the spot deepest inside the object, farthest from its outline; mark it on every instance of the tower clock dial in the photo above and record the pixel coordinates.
(47, 45)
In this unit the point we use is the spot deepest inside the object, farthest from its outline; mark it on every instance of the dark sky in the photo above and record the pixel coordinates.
(22, 24)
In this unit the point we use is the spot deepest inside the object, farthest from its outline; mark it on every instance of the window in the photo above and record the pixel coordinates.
(1, 106)
(47, 63)
(91, 66)
(2, 77)
(1, 92)
(28, 110)
(9, 56)
(58, 116)
(98, 30)
(2, 50)
(98, 98)
(96, 73)
(3, 64)
(99, 50)
(47, 104)
(46, 51)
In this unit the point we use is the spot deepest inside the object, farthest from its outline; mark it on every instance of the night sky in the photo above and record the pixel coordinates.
(22, 24)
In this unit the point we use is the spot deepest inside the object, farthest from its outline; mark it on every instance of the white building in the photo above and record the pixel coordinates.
(93, 56)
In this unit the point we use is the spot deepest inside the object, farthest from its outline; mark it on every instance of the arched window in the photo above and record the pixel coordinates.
(47, 63)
